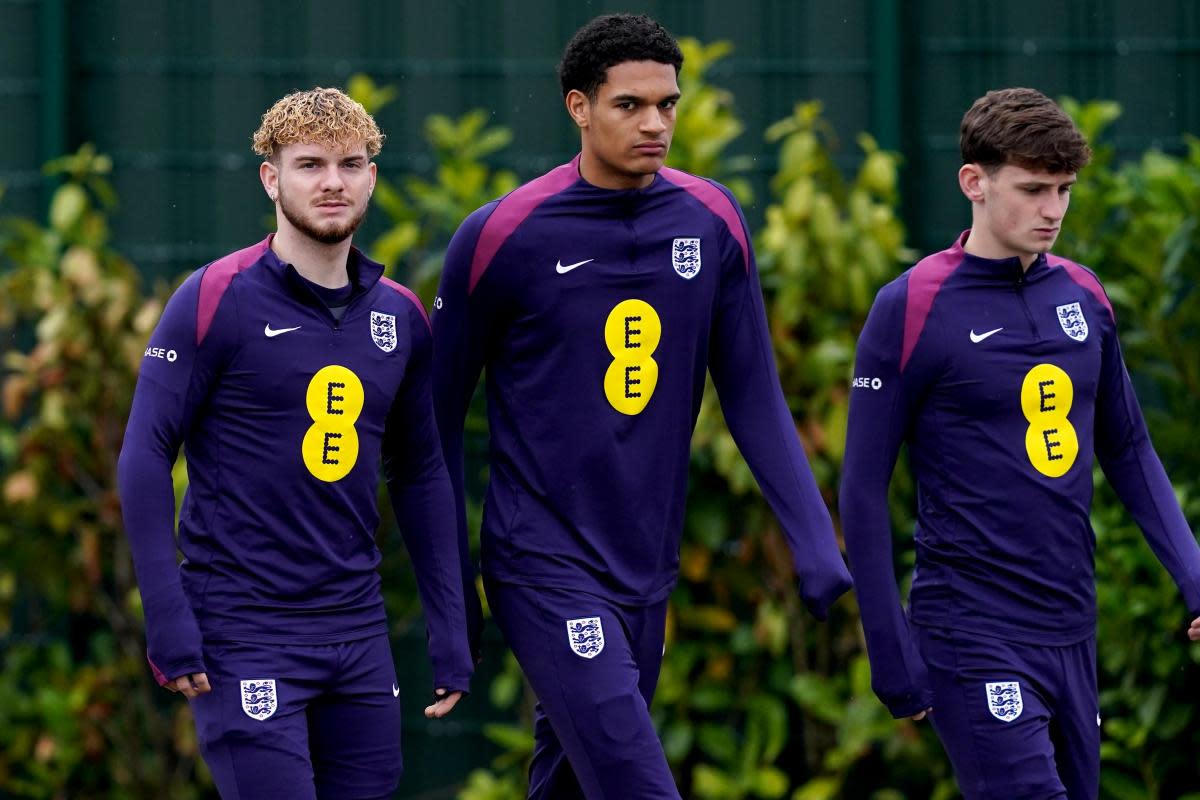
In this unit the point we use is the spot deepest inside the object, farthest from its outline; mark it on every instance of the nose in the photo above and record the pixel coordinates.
(651, 121)
(1055, 208)
(331, 179)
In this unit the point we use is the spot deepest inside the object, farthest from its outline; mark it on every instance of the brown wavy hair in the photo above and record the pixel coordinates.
(1022, 127)
(318, 116)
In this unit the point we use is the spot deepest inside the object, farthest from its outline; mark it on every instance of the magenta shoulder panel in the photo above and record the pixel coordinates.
(924, 282)
(1084, 278)
(216, 280)
(416, 301)
(715, 201)
(512, 210)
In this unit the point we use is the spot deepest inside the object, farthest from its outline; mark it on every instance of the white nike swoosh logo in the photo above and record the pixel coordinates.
(395, 690)
(273, 332)
(979, 337)
(564, 269)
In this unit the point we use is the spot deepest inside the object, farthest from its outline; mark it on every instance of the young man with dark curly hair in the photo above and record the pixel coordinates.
(998, 363)
(289, 370)
(597, 296)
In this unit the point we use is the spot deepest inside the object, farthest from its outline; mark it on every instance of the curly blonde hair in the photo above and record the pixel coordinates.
(317, 116)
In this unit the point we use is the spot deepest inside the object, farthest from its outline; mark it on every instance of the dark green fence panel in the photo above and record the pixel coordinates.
(1145, 56)
(174, 90)
(20, 93)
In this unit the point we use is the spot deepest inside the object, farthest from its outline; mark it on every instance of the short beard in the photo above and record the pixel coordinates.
(334, 235)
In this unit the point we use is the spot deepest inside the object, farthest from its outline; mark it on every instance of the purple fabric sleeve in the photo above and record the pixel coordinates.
(882, 404)
(743, 369)
(459, 351)
(423, 501)
(1127, 457)
(173, 381)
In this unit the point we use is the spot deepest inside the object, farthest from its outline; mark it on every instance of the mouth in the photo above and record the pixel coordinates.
(1046, 231)
(656, 149)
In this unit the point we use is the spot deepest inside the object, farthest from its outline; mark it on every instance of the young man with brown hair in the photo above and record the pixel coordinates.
(598, 296)
(289, 370)
(998, 363)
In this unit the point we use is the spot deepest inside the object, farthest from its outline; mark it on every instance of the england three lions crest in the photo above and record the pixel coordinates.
(1004, 700)
(685, 257)
(258, 698)
(383, 331)
(1071, 318)
(586, 636)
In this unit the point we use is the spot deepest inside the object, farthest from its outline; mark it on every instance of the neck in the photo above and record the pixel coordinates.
(323, 264)
(590, 172)
(983, 247)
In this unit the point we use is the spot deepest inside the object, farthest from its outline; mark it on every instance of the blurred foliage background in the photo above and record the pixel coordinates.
(756, 699)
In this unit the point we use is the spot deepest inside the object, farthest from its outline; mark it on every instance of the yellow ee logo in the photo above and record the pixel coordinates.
(632, 332)
(1050, 440)
(334, 400)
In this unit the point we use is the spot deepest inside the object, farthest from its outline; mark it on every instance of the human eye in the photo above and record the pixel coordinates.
(668, 104)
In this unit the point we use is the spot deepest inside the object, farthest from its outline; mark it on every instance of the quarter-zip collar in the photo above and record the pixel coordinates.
(1004, 271)
(362, 271)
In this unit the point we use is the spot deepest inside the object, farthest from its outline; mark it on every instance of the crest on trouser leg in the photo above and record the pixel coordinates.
(586, 636)
(258, 698)
(1004, 700)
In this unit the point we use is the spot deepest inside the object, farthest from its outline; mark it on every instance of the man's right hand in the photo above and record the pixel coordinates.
(191, 685)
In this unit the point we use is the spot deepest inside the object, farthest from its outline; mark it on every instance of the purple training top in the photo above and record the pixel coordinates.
(1003, 383)
(597, 314)
(285, 413)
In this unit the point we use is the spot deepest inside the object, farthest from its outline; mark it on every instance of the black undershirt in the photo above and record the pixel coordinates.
(335, 300)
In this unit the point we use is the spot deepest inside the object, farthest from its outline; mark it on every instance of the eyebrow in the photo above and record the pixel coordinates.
(634, 98)
(321, 159)
(1032, 182)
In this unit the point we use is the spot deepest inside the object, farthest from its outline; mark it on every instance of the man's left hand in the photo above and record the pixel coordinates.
(1194, 630)
(446, 701)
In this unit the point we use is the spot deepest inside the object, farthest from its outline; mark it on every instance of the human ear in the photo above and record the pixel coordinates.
(579, 107)
(971, 178)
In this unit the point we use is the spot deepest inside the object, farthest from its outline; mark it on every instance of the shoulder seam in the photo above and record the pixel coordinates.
(1086, 279)
(713, 196)
(215, 281)
(925, 281)
(512, 210)
(405, 292)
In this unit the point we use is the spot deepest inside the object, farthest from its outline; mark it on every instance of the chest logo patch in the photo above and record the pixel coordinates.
(1070, 317)
(383, 331)
(631, 333)
(586, 636)
(1050, 440)
(1004, 700)
(334, 399)
(685, 257)
(258, 698)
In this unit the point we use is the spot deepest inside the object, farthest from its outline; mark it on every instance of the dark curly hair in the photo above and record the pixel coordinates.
(610, 40)
(1022, 127)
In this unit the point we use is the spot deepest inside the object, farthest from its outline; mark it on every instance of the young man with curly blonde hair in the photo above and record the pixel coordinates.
(289, 370)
